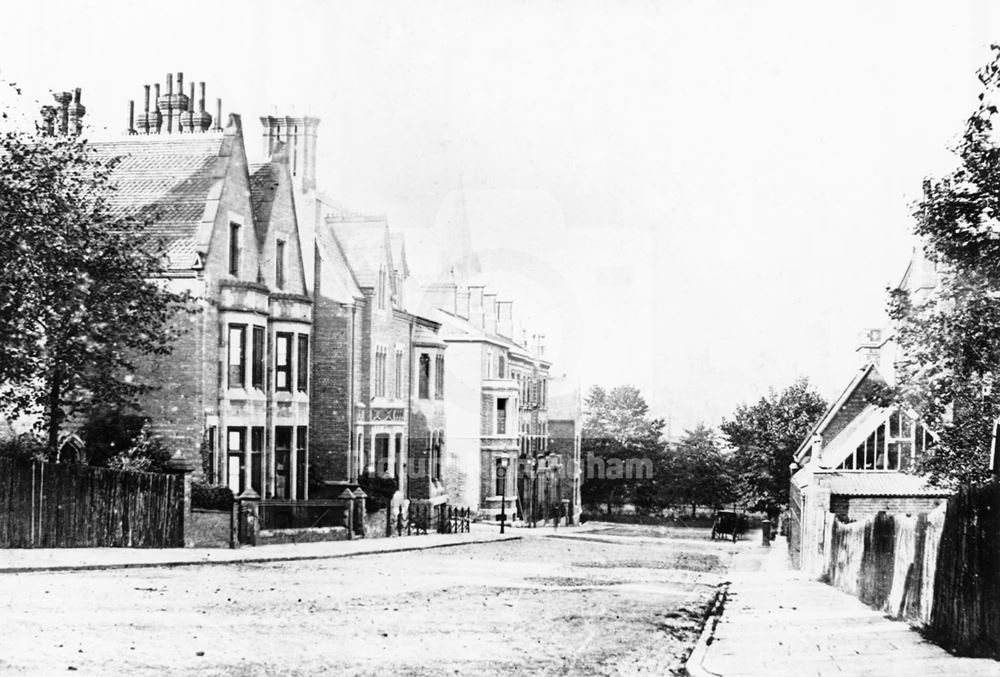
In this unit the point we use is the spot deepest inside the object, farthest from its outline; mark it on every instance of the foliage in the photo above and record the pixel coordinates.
(698, 471)
(79, 299)
(26, 447)
(765, 436)
(617, 427)
(950, 342)
(380, 490)
(211, 496)
(144, 454)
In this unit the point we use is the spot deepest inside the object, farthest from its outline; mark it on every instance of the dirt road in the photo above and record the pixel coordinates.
(607, 601)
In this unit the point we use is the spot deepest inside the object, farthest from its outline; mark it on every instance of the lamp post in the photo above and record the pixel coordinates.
(502, 476)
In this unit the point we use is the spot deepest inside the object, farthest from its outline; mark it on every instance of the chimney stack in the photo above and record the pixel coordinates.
(62, 114)
(539, 348)
(131, 117)
(187, 123)
(490, 313)
(462, 299)
(218, 116)
(299, 137)
(74, 113)
(143, 122)
(49, 114)
(505, 319)
(165, 103)
(476, 306)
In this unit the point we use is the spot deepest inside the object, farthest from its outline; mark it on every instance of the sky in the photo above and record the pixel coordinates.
(703, 199)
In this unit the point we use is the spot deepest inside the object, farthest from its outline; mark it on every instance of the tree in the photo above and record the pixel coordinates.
(81, 293)
(617, 428)
(698, 471)
(950, 343)
(765, 436)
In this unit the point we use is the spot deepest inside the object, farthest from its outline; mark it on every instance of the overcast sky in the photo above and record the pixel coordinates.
(704, 199)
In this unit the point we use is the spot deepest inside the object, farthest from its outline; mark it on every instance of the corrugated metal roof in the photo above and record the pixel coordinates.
(873, 483)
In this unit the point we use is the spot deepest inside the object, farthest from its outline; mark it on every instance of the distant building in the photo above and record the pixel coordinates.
(496, 399)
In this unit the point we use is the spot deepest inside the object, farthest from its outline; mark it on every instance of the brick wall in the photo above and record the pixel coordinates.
(331, 422)
(176, 404)
(854, 508)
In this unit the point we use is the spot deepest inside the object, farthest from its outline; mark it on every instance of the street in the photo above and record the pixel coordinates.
(607, 600)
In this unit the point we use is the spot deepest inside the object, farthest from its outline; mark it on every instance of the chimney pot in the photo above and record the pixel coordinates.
(157, 115)
(131, 117)
(218, 115)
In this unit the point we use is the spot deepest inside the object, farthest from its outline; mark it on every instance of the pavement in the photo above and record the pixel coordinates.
(83, 559)
(776, 621)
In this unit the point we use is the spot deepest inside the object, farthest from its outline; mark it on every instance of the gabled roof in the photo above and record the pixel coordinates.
(263, 184)
(365, 243)
(399, 253)
(172, 182)
(835, 408)
(337, 280)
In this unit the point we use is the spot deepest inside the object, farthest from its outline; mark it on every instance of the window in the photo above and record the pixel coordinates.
(235, 447)
(501, 367)
(282, 461)
(283, 362)
(257, 359)
(210, 443)
(234, 249)
(256, 459)
(381, 289)
(379, 372)
(424, 377)
(439, 377)
(502, 416)
(302, 376)
(382, 454)
(437, 445)
(237, 355)
(543, 391)
(279, 264)
(301, 460)
(398, 382)
(489, 363)
(894, 445)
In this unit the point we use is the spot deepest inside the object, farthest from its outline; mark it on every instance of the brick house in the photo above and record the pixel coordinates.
(855, 461)
(854, 464)
(379, 407)
(232, 400)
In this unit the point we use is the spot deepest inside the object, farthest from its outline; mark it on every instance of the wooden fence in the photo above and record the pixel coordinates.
(939, 570)
(56, 505)
(889, 562)
(966, 614)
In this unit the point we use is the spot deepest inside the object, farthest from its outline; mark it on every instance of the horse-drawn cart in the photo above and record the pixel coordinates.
(728, 523)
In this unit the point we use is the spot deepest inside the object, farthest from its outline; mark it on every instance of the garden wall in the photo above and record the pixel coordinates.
(938, 570)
